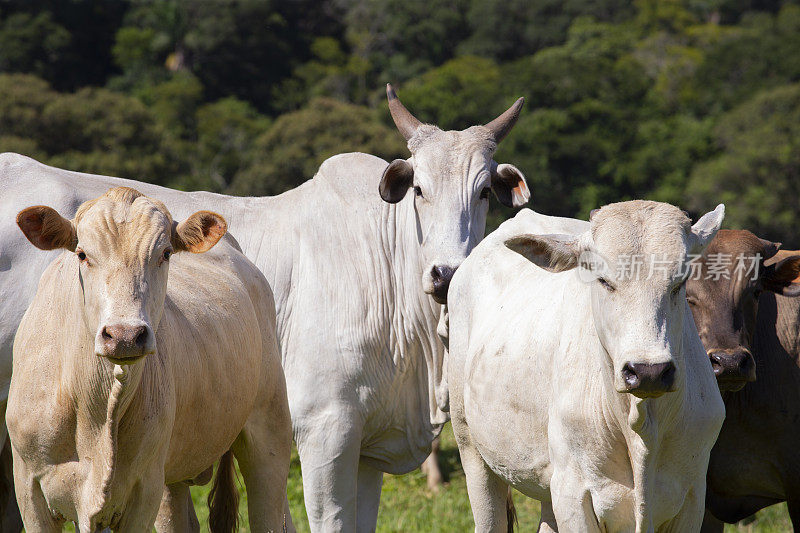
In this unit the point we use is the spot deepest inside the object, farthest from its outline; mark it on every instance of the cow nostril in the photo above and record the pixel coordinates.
(629, 375)
(668, 375)
(141, 337)
(442, 274)
(105, 334)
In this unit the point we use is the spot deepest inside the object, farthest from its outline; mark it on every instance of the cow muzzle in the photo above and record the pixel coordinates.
(733, 368)
(649, 380)
(124, 344)
(441, 277)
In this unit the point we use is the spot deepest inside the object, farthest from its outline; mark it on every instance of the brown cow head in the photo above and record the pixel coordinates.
(723, 296)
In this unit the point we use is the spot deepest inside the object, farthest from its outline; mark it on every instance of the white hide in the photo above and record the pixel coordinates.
(357, 331)
(533, 376)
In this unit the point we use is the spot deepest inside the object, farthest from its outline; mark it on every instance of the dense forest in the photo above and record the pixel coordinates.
(693, 102)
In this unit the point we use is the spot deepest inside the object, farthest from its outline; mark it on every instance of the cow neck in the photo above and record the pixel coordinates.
(101, 406)
(417, 314)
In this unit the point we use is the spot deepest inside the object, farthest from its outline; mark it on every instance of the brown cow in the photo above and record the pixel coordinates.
(750, 326)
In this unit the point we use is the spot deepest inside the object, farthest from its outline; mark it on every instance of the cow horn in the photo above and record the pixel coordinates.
(403, 119)
(503, 124)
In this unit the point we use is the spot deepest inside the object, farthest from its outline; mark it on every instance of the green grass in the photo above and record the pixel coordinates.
(407, 505)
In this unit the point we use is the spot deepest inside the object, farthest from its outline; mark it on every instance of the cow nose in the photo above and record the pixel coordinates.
(122, 341)
(646, 380)
(733, 368)
(441, 276)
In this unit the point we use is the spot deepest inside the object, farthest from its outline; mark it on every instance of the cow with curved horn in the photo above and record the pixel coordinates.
(359, 269)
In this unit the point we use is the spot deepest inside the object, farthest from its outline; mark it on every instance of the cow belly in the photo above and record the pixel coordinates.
(509, 427)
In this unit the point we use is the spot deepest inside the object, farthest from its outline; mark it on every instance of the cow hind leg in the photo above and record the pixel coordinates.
(176, 513)
(370, 482)
(431, 468)
(263, 451)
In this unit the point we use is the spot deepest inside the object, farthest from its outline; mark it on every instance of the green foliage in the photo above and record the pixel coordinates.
(686, 101)
(292, 149)
(757, 172)
(31, 43)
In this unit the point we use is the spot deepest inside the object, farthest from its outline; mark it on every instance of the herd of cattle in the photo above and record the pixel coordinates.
(359, 312)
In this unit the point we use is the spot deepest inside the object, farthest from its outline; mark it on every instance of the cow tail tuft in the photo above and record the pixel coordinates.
(511, 511)
(223, 500)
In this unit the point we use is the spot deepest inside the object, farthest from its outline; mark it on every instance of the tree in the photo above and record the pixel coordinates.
(291, 151)
(757, 172)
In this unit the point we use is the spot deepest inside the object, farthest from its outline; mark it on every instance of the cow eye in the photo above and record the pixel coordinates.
(167, 254)
(417, 191)
(485, 193)
(606, 285)
(81, 254)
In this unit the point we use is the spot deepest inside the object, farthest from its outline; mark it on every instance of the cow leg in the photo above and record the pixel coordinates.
(263, 450)
(487, 492)
(572, 503)
(33, 507)
(711, 524)
(547, 523)
(330, 449)
(431, 467)
(691, 515)
(176, 512)
(794, 512)
(370, 481)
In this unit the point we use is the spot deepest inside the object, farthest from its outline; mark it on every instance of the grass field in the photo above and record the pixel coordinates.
(407, 505)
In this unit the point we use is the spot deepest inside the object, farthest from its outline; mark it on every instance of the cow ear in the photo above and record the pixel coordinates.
(770, 248)
(704, 230)
(46, 229)
(554, 253)
(509, 185)
(783, 277)
(198, 233)
(396, 180)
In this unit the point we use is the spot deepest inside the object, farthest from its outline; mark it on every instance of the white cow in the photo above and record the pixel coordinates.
(586, 388)
(124, 382)
(352, 260)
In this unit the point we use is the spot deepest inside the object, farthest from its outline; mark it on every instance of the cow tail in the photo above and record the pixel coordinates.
(511, 511)
(223, 500)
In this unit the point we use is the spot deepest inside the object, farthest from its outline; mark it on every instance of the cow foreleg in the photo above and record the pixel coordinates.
(487, 492)
(794, 512)
(370, 481)
(11, 519)
(547, 523)
(572, 503)
(329, 455)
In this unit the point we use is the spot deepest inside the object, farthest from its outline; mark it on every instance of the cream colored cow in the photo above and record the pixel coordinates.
(579, 381)
(124, 382)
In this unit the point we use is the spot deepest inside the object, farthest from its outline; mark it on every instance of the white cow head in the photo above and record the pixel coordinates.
(451, 174)
(123, 242)
(638, 312)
